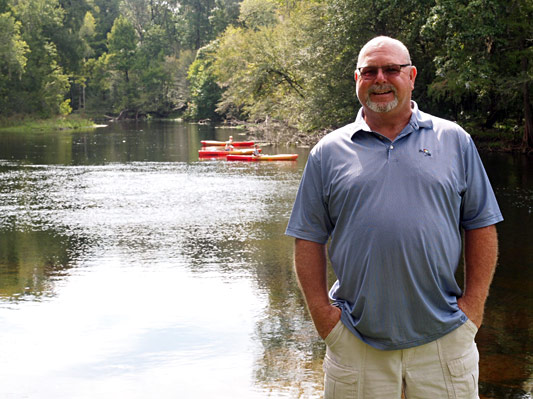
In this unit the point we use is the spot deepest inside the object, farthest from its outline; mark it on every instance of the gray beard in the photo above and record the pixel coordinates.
(381, 108)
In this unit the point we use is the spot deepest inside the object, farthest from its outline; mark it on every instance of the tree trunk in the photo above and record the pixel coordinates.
(122, 113)
(492, 116)
(527, 139)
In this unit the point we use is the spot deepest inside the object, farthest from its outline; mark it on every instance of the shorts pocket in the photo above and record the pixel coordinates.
(334, 334)
(340, 382)
(464, 375)
(472, 326)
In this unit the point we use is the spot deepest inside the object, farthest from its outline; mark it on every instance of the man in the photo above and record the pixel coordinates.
(391, 193)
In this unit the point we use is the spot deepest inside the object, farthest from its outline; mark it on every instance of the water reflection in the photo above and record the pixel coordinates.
(506, 366)
(291, 362)
(30, 262)
(162, 272)
(168, 141)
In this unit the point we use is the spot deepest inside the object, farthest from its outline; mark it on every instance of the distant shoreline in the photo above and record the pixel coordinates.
(269, 132)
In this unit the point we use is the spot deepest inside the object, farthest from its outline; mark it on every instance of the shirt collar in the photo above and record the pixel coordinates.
(419, 120)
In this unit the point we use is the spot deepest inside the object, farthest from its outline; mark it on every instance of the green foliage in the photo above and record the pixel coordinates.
(13, 49)
(65, 108)
(53, 87)
(69, 43)
(345, 25)
(122, 43)
(204, 91)
(479, 67)
(255, 14)
(137, 13)
(197, 29)
(259, 72)
(42, 84)
(300, 68)
(290, 60)
(99, 82)
(87, 33)
(4, 6)
(177, 94)
(105, 12)
(151, 84)
(13, 52)
(224, 13)
(25, 123)
(473, 57)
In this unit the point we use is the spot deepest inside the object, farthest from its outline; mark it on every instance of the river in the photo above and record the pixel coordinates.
(131, 269)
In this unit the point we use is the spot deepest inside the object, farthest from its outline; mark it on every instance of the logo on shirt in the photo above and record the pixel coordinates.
(426, 152)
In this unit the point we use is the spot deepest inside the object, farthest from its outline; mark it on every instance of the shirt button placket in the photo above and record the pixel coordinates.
(391, 147)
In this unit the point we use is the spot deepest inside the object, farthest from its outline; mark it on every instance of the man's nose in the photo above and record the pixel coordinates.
(380, 76)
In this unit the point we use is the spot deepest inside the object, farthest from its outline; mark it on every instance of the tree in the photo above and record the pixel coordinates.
(260, 71)
(197, 30)
(13, 51)
(4, 6)
(105, 13)
(300, 69)
(44, 84)
(176, 69)
(204, 90)
(99, 83)
(68, 41)
(255, 14)
(116, 54)
(483, 66)
(122, 45)
(152, 81)
(223, 14)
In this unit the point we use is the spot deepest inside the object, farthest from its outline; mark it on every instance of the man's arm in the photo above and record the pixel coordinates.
(481, 255)
(310, 263)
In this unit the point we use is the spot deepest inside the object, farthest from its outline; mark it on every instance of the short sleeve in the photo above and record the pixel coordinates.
(309, 219)
(479, 207)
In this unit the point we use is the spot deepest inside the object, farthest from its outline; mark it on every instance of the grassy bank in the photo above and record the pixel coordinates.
(55, 123)
(500, 138)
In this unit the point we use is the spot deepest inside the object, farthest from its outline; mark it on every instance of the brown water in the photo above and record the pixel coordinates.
(130, 269)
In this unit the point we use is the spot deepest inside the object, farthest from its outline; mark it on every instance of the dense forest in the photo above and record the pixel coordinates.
(290, 61)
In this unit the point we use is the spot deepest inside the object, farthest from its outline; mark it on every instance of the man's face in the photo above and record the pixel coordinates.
(385, 92)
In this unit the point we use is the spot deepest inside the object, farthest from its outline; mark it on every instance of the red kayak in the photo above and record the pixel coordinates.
(254, 158)
(215, 143)
(223, 153)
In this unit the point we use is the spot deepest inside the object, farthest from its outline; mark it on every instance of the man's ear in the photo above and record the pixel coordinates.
(412, 75)
(355, 75)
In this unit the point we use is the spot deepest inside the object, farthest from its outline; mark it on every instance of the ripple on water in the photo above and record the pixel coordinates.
(204, 209)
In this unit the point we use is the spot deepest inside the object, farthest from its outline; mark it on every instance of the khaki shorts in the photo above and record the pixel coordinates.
(445, 368)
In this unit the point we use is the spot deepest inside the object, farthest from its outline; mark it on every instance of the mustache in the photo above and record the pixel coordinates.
(381, 88)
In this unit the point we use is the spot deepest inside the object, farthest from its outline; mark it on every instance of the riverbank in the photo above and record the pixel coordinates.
(16, 123)
(493, 140)
(274, 132)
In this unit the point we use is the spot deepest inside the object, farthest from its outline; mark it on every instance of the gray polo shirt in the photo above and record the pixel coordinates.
(392, 212)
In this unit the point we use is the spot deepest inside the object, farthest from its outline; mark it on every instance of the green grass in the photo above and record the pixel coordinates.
(55, 123)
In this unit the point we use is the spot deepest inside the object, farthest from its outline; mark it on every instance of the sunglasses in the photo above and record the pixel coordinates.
(371, 72)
